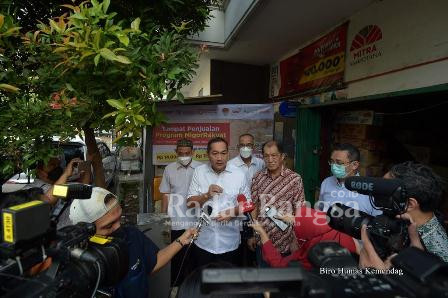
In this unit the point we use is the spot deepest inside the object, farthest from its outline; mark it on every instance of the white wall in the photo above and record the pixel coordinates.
(201, 80)
(223, 24)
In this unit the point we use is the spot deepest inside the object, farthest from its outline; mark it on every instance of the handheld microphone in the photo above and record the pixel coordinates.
(387, 193)
(246, 205)
(204, 219)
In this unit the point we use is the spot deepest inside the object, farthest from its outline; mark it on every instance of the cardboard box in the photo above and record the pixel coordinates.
(372, 171)
(372, 145)
(359, 117)
(359, 131)
(369, 158)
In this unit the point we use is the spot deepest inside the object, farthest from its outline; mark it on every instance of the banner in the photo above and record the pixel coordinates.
(203, 122)
(393, 35)
(320, 64)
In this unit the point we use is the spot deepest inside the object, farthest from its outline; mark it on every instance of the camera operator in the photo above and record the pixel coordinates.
(425, 191)
(145, 258)
(310, 227)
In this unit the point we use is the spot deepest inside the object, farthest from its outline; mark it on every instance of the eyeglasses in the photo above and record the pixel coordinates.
(332, 162)
(274, 156)
(246, 145)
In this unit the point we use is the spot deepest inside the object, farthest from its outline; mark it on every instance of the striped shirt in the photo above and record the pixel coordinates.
(286, 194)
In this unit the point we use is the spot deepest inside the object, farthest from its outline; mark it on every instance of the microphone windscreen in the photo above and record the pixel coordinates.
(241, 198)
(208, 210)
(373, 186)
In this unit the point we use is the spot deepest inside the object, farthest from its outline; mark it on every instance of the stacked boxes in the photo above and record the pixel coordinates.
(366, 137)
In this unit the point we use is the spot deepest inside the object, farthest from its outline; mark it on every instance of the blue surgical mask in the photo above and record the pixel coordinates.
(338, 171)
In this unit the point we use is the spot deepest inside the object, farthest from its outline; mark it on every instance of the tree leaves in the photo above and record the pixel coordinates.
(116, 104)
(135, 25)
(108, 54)
(8, 88)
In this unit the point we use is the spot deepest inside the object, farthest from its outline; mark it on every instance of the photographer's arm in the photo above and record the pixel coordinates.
(166, 254)
(270, 254)
(48, 196)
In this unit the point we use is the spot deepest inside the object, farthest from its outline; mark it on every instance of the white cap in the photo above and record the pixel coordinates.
(91, 209)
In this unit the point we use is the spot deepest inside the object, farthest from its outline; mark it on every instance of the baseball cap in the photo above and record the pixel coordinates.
(92, 209)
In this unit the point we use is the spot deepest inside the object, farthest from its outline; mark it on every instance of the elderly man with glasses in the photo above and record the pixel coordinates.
(344, 162)
(277, 188)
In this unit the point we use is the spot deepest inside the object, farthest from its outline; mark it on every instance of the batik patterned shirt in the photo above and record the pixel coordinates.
(434, 238)
(286, 194)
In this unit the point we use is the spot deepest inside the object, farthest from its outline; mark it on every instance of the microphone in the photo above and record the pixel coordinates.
(247, 206)
(371, 186)
(389, 194)
(73, 191)
(204, 219)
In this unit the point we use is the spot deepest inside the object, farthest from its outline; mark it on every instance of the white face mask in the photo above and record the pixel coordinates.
(245, 152)
(184, 160)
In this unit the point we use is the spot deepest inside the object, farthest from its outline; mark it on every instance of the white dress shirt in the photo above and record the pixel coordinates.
(176, 181)
(256, 165)
(218, 237)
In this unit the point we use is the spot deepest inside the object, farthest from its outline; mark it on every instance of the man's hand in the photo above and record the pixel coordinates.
(214, 190)
(252, 243)
(412, 231)
(69, 169)
(225, 215)
(188, 235)
(368, 256)
(288, 218)
(260, 230)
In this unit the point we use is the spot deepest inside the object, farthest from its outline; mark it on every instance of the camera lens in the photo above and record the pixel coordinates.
(347, 220)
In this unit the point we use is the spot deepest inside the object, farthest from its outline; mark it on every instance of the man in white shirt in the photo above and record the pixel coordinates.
(218, 184)
(174, 187)
(246, 161)
(250, 165)
(344, 162)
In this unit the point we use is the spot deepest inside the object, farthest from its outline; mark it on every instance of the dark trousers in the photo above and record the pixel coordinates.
(177, 260)
(202, 257)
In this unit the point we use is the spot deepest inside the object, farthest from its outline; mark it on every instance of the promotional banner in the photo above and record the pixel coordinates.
(320, 64)
(394, 35)
(200, 123)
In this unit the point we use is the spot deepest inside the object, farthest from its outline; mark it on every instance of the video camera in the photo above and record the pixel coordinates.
(78, 262)
(387, 233)
(335, 274)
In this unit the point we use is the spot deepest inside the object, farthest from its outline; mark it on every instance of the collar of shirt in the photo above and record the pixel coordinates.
(193, 164)
(282, 172)
(240, 162)
(227, 169)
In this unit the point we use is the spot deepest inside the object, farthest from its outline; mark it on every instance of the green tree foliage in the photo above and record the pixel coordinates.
(82, 66)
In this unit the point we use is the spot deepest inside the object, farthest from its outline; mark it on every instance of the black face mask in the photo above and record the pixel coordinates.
(54, 174)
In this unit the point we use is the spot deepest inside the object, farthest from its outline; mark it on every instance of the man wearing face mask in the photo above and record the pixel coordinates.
(344, 162)
(52, 173)
(246, 161)
(174, 187)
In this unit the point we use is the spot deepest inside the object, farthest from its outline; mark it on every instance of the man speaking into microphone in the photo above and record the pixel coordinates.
(218, 184)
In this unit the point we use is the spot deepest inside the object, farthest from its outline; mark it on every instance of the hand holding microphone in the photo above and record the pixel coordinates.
(204, 219)
(246, 206)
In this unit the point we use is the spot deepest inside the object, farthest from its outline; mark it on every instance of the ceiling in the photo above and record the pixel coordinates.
(275, 28)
